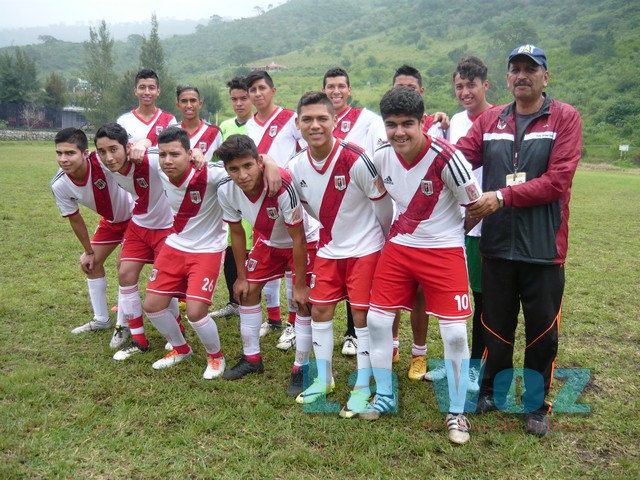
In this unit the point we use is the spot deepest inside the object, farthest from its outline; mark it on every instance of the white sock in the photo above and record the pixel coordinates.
(250, 321)
(456, 349)
(98, 297)
(207, 331)
(166, 324)
(322, 335)
(363, 358)
(271, 293)
(174, 308)
(380, 324)
(303, 340)
(419, 350)
(130, 305)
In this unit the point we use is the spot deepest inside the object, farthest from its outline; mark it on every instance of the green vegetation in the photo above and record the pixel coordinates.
(68, 410)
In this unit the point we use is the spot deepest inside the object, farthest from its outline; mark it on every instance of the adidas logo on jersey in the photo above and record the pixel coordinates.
(388, 181)
(303, 184)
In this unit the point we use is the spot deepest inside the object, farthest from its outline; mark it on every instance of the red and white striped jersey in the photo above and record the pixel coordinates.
(207, 138)
(338, 192)
(137, 128)
(99, 192)
(278, 136)
(428, 194)
(197, 221)
(143, 182)
(269, 216)
(362, 127)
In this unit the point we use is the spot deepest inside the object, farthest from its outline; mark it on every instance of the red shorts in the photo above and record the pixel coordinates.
(266, 263)
(178, 274)
(350, 278)
(108, 233)
(142, 244)
(442, 273)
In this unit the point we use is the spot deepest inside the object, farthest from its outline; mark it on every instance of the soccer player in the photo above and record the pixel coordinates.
(241, 104)
(82, 180)
(429, 180)
(150, 225)
(144, 123)
(204, 136)
(274, 132)
(365, 129)
(285, 240)
(339, 186)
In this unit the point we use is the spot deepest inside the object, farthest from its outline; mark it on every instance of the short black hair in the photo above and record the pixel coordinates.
(180, 89)
(175, 134)
(470, 68)
(408, 71)
(72, 135)
(402, 101)
(237, 83)
(335, 72)
(256, 75)
(315, 98)
(114, 131)
(236, 146)
(147, 73)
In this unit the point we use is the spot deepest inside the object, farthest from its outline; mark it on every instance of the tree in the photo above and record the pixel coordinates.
(31, 116)
(18, 78)
(212, 103)
(152, 56)
(55, 91)
(241, 54)
(100, 62)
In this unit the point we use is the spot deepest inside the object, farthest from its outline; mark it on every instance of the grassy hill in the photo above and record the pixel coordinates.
(593, 49)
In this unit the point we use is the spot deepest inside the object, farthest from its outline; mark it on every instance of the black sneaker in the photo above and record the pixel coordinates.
(242, 368)
(485, 404)
(536, 423)
(295, 383)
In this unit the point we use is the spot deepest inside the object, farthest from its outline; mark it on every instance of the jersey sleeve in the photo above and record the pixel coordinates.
(67, 205)
(229, 214)
(458, 177)
(289, 203)
(376, 134)
(366, 176)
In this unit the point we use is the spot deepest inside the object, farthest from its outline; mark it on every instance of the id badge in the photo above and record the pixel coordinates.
(516, 178)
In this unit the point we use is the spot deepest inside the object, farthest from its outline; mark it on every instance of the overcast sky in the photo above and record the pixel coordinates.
(39, 13)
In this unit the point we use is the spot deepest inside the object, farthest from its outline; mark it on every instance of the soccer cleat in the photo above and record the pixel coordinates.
(315, 391)
(120, 336)
(437, 374)
(295, 383)
(358, 403)
(172, 358)
(396, 356)
(288, 338)
(350, 346)
(215, 368)
(485, 404)
(417, 368)
(131, 349)
(271, 326)
(229, 310)
(381, 404)
(242, 368)
(536, 423)
(458, 427)
(168, 347)
(474, 380)
(92, 326)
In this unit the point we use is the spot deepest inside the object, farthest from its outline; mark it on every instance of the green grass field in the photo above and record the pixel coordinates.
(67, 410)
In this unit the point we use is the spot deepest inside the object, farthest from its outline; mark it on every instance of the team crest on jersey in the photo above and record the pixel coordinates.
(426, 186)
(195, 197)
(142, 183)
(312, 283)
(273, 130)
(159, 129)
(472, 192)
(296, 216)
(202, 146)
(502, 124)
(272, 213)
(252, 264)
(345, 126)
(340, 182)
(153, 275)
(100, 184)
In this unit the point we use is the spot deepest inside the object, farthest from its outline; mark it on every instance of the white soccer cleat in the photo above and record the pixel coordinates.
(171, 359)
(92, 326)
(287, 339)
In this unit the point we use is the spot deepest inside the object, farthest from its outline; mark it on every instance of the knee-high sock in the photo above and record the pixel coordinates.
(166, 324)
(303, 340)
(250, 320)
(131, 306)
(288, 282)
(322, 335)
(363, 358)
(207, 332)
(271, 293)
(380, 324)
(98, 296)
(456, 350)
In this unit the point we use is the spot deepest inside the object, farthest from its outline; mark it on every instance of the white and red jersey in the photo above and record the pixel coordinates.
(337, 192)
(269, 216)
(362, 127)
(143, 182)
(428, 194)
(98, 191)
(197, 221)
(278, 136)
(431, 128)
(207, 138)
(138, 129)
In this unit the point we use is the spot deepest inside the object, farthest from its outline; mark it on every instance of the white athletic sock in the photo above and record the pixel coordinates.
(131, 306)
(456, 350)
(322, 335)
(271, 293)
(98, 297)
(207, 331)
(380, 324)
(363, 358)
(303, 340)
(419, 350)
(166, 324)
(174, 308)
(250, 321)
